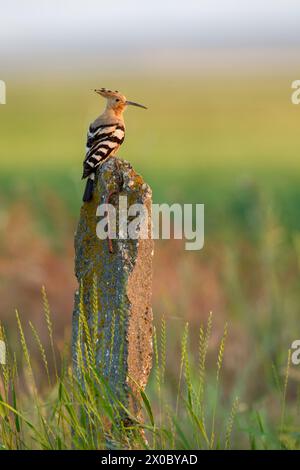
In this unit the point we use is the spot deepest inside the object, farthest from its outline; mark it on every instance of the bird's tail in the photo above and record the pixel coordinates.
(88, 192)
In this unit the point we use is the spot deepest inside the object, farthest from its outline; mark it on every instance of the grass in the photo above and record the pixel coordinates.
(79, 410)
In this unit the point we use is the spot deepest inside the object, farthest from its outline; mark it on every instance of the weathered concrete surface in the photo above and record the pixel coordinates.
(123, 286)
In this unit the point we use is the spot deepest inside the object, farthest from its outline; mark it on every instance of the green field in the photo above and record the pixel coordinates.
(231, 144)
(191, 124)
(202, 140)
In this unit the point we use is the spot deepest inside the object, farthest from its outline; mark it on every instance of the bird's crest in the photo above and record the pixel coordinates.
(110, 93)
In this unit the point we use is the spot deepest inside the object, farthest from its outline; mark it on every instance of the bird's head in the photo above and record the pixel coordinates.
(116, 101)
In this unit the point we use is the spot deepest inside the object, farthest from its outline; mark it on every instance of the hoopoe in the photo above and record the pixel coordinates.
(105, 136)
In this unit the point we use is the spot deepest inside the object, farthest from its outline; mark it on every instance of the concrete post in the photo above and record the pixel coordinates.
(115, 281)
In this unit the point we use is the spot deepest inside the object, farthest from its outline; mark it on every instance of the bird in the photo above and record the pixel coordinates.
(105, 136)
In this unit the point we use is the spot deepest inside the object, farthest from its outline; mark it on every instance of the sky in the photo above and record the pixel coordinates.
(47, 30)
(231, 20)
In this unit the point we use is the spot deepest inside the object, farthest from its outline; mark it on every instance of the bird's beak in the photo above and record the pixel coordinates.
(132, 103)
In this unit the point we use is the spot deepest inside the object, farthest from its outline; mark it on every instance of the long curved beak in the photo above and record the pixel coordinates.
(132, 103)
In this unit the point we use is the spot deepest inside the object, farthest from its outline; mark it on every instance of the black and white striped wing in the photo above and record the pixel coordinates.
(102, 142)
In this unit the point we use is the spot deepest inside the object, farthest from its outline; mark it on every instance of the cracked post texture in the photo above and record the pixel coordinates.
(122, 283)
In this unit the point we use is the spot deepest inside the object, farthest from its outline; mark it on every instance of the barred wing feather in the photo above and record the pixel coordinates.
(102, 142)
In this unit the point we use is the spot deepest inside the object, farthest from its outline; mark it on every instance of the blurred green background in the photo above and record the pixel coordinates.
(222, 132)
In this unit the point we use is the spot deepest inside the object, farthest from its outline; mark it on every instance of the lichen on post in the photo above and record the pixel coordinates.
(115, 283)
